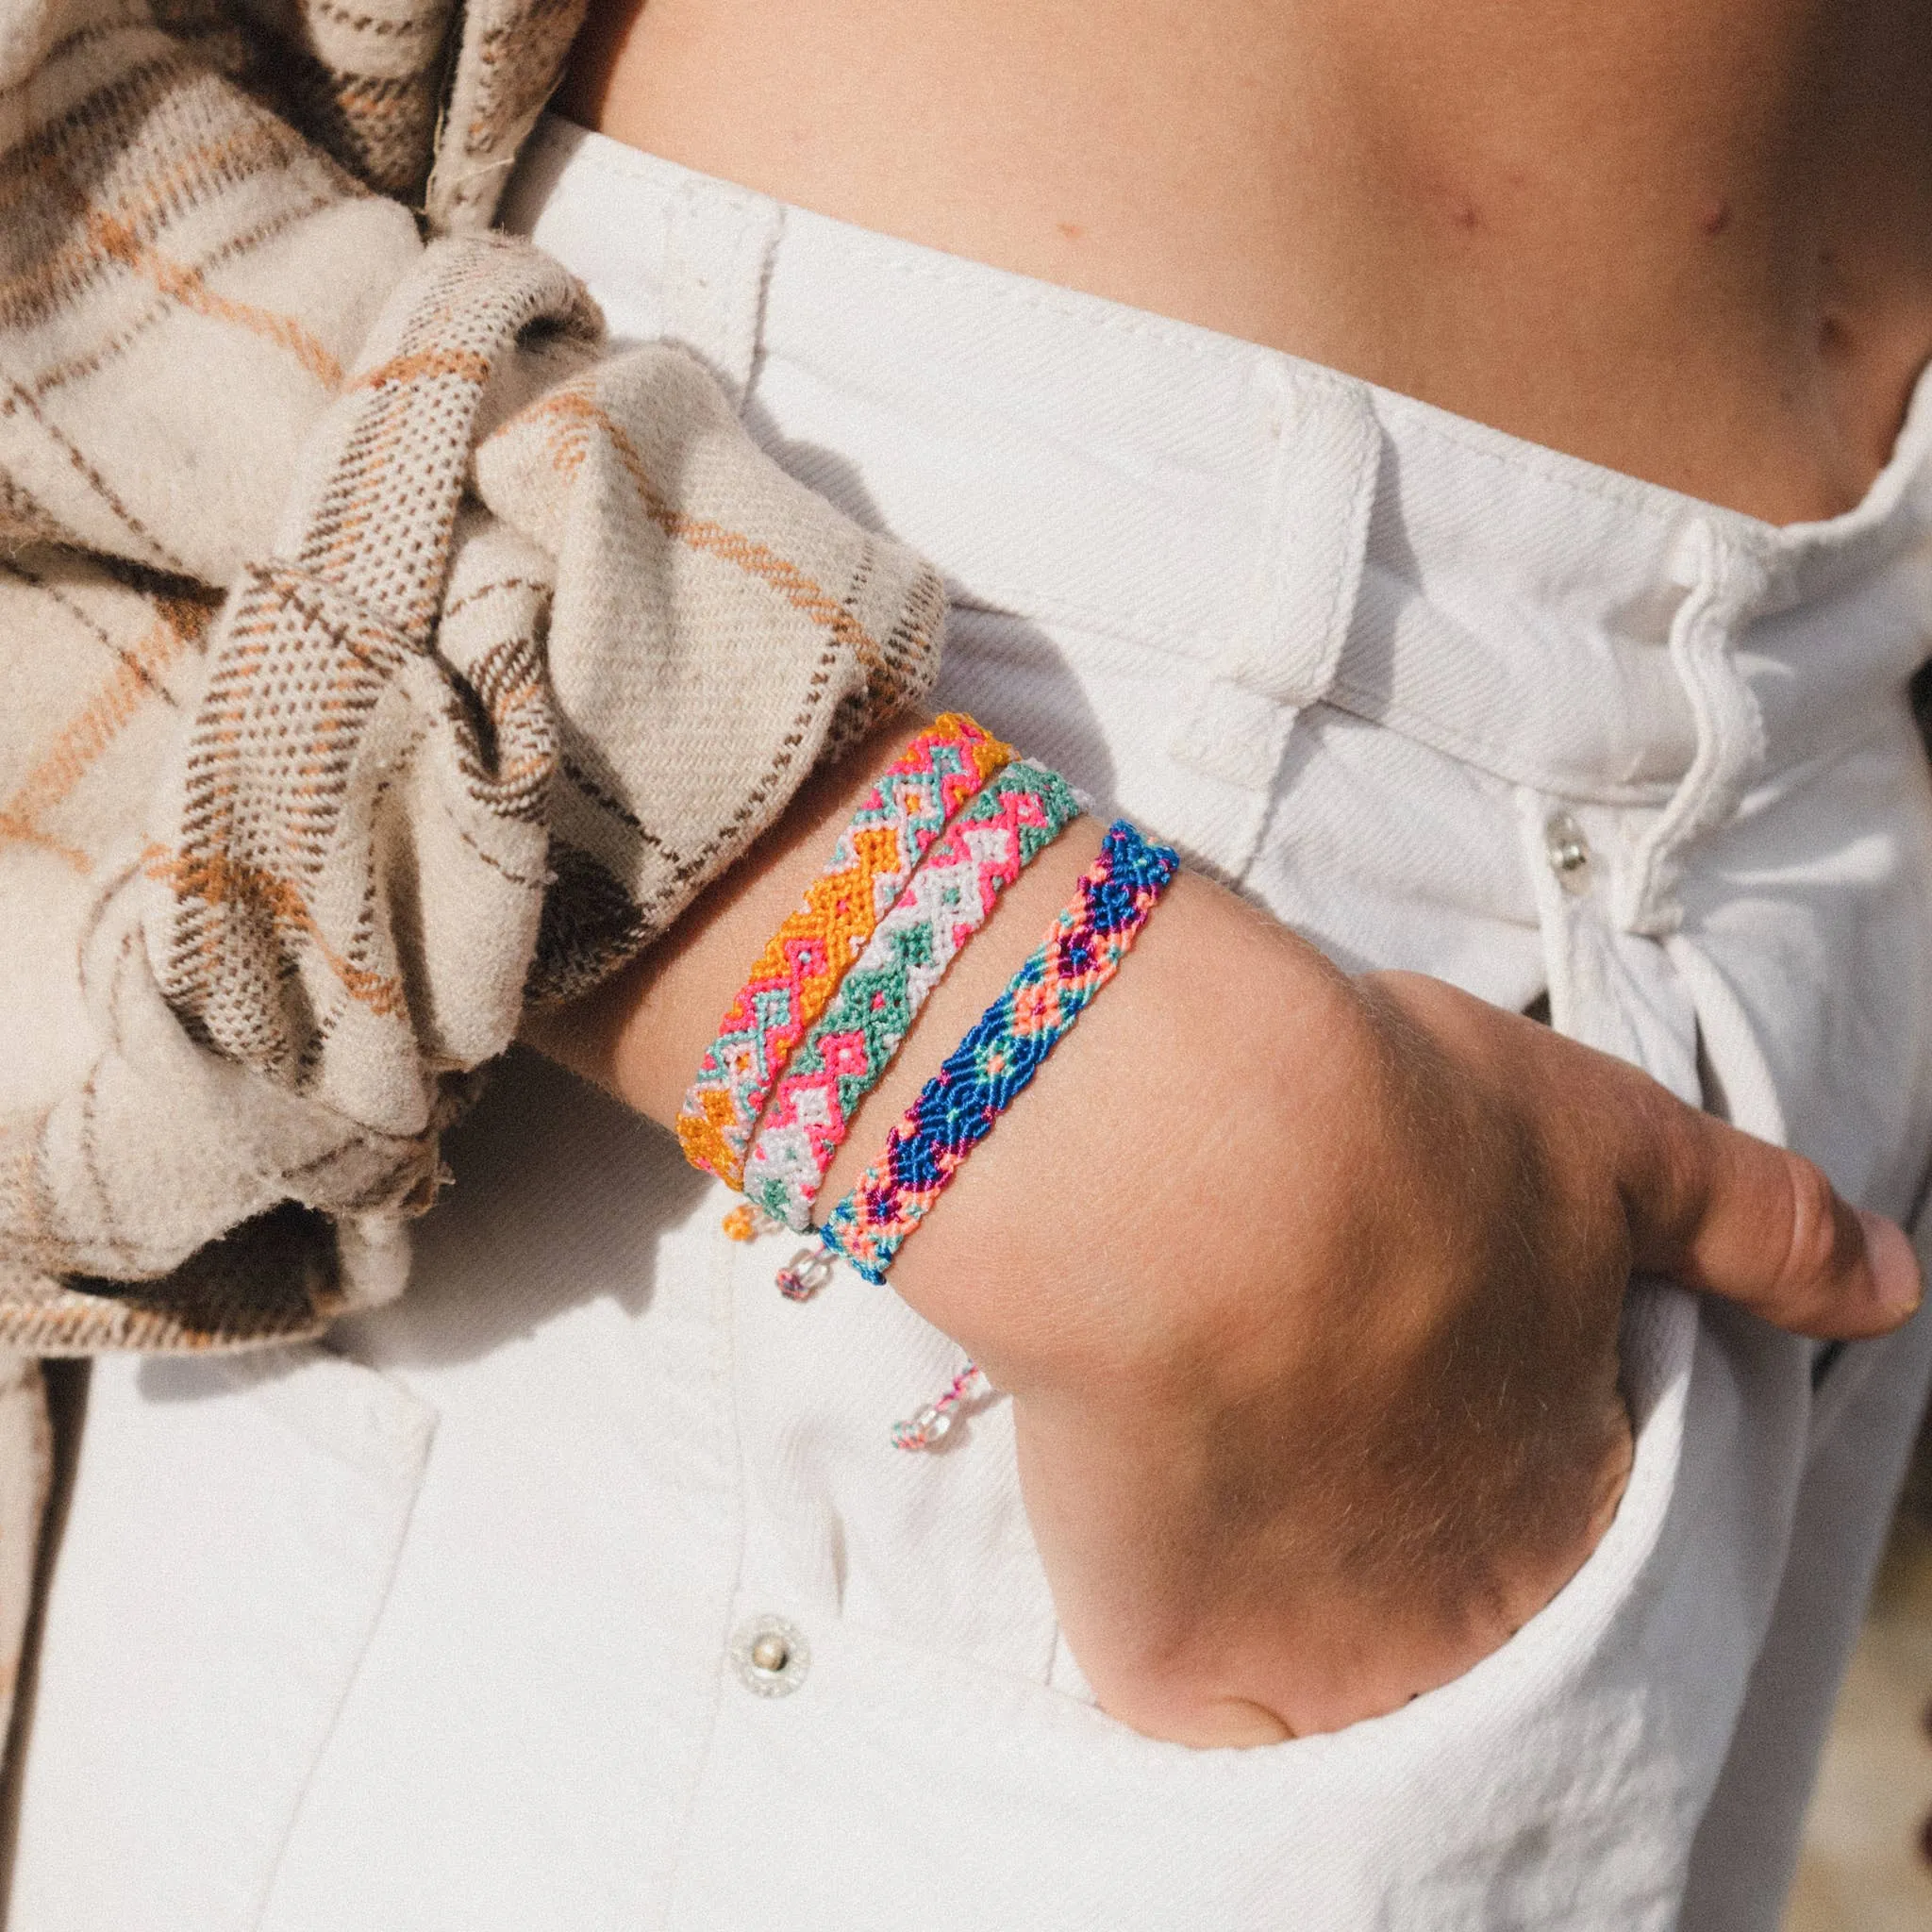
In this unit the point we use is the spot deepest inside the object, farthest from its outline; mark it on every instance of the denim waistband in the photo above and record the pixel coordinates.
(1305, 534)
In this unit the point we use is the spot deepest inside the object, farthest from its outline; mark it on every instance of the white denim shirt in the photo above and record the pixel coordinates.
(445, 1625)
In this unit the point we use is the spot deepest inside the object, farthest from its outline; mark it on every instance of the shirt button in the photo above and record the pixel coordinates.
(1568, 852)
(770, 1657)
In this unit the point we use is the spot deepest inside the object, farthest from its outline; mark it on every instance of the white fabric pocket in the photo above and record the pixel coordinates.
(233, 1532)
(924, 1770)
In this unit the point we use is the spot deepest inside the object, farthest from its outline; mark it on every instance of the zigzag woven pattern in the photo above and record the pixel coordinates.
(1005, 1047)
(946, 901)
(795, 976)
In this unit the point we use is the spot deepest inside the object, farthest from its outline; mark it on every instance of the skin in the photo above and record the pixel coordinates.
(1686, 239)
(1306, 1294)
(1313, 1422)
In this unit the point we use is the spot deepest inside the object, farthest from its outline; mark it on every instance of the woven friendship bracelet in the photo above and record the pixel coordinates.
(1020, 812)
(793, 978)
(998, 1057)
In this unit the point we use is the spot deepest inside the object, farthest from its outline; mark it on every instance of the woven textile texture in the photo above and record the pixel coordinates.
(378, 655)
(1002, 1051)
(791, 982)
(1021, 811)
(380, 652)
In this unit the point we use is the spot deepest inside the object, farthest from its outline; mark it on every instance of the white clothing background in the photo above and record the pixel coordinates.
(434, 1629)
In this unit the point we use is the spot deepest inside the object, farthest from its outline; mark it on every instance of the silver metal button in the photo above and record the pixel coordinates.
(770, 1657)
(1568, 852)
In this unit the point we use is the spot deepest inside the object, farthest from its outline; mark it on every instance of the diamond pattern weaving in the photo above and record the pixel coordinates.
(1002, 1051)
(947, 900)
(795, 976)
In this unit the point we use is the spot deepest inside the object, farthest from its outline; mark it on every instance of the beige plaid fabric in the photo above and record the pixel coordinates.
(374, 656)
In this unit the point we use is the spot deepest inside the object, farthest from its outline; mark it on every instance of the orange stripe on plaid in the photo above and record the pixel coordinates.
(178, 623)
(97, 355)
(470, 364)
(216, 879)
(18, 831)
(576, 417)
(241, 147)
(184, 286)
(55, 274)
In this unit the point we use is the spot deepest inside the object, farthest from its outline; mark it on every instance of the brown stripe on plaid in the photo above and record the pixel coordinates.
(364, 82)
(49, 255)
(118, 240)
(378, 122)
(223, 883)
(187, 616)
(199, 140)
(575, 416)
(303, 862)
(76, 746)
(24, 519)
(149, 548)
(236, 248)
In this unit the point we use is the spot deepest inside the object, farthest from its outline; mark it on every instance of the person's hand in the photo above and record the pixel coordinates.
(1306, 1289)
(1310, 1316)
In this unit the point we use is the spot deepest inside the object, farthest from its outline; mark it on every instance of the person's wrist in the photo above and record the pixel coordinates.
(641, 1034)
(975, 978)
(1118, 1226)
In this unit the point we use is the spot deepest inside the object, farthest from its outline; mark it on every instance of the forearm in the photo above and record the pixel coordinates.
(1164, 1253)
(1306, 1288)
(1125, 1217)
(1127, 1162)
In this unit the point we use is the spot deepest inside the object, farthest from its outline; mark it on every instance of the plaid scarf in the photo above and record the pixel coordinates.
(376, 655)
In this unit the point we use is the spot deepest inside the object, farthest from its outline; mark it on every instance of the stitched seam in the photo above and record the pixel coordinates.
(1019, 604)
(1100, 313)
(1374, 709)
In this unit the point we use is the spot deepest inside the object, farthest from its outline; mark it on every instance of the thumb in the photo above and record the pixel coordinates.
(1734, 1216)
